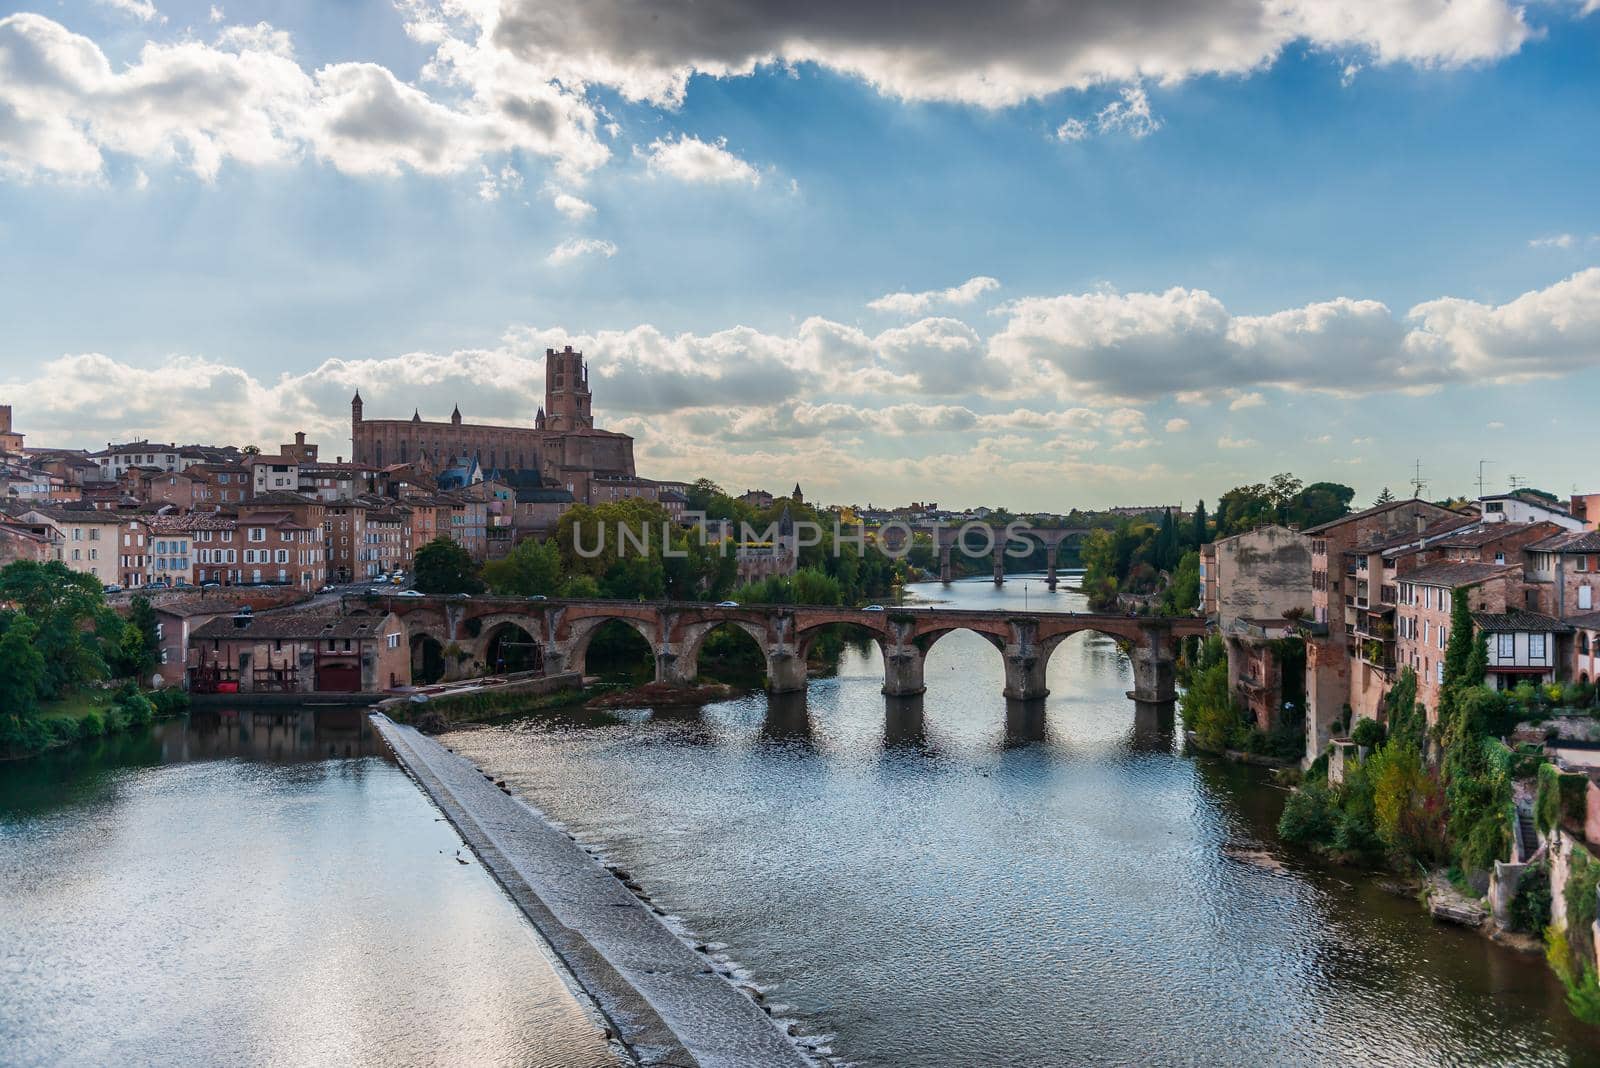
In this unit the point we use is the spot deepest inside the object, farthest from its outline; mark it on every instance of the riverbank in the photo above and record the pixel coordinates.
(669, 1003)
(85, 714)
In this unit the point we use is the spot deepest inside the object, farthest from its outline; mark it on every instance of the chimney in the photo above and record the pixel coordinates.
(1422, 522)
(299, 437)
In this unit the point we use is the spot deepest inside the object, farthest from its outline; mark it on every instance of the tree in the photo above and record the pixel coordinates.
(1201, 534)
(22, 668)
(532, 568)
(1384, 498)
(138, 647)
(442, 566)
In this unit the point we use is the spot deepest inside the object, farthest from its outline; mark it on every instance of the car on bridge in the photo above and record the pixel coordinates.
(727, 604)
(873, 608)
(410, 593)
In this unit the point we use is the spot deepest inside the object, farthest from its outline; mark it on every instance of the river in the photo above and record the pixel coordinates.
(947, 885)
(253, 889)
(937, 885)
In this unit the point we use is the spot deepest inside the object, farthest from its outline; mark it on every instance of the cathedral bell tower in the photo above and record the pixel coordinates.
(566, 391)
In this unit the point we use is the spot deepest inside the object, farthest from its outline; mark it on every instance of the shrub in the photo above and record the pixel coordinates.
(1561, 798)
(62, 729)
(1309, 815)
(133, 708)
(168, 702)
(1368, 733)
(91, 725)
(1530, 909)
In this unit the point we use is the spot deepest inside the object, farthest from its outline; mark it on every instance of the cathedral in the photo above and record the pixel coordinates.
(562, 447)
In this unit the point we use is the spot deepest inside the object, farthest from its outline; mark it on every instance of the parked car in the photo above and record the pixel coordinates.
(113, 588)
(326, 589)
(410, 593)
(538, 597)
(727, 604)
(873, 608)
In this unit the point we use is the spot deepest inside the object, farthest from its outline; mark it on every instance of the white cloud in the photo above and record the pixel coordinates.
(919, 303)
(579, 247)
(247, 100)
(1557, 241)
(690, 159)
(216, 14)
(1177, 426)
(575, 208)
(1129, 113)
(1228, 442)
(143, 10)
(1246, 400)
(1110, 345)
(1003, 53)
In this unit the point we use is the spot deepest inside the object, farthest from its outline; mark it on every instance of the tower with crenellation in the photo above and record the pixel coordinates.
(566, 391)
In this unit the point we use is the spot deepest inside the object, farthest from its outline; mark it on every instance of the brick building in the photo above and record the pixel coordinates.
(563, 445)
(299, 652)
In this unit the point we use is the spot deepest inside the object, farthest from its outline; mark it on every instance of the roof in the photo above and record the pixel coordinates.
(281, 498)
(1527, 498)
(1587, 621)
(1479, 534)
(1518, 620)
(1456, 573)
(293, 624)
(544, 495)
(1377, 509)
(182, 523)
(1401, 539)
(1569, 541)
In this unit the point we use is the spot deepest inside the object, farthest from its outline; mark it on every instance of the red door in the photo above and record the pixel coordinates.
(338, 678)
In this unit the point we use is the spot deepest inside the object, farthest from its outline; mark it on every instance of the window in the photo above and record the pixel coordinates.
(1583, 563)
(1507, 649)
(1536, 647)
(1441, 635)
(1585, 596)
(1440, 671)
(394, 641)
(257, 533)
(1499, 558)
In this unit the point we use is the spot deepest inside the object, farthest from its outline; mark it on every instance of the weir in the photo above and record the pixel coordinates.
(668, 1003)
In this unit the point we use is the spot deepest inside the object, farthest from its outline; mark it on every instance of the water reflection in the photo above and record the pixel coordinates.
(258, 888)
(1025, 723)
(904, 725)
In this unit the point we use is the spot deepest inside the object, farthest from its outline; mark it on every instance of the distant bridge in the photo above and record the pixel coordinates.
(676, 630)
(949, 538)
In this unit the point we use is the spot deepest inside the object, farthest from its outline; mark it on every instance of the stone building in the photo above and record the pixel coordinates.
(1257, 587)
(563, 445)
(10, 440)
(1337, 597)
(299, 652)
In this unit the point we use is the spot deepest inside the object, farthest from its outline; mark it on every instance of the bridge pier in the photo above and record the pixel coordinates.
(1025, 676)
(999, 563)
(902, 670)
(675, 669)
(1154, 669)
(786, 672)
(946, 574)
(1051, 551)
(1025, 722)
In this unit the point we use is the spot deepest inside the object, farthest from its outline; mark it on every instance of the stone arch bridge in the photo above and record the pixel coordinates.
(675, 631)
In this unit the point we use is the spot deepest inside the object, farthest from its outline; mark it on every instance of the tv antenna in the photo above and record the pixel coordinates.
(1418, 483)
(1481, 464)
(1517, 482)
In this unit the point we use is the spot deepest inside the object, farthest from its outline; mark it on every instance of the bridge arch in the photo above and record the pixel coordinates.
(427, 659)
(687, 652)
(509, 646)
(582, 632)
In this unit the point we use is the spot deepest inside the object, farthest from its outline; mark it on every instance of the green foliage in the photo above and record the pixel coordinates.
(1583, 878)
(22, 668)
(1309, 816)
(75, 628)
(1183, 595)
(1408, 802)
(532, 568)
(1282, 499)
(1530, 909)
(806, 586)
(1368, 733)
(138, 647)
(91, 725)
(1561, 799)
(132, 707)
(169, 702)
(1209, 709)
(1577, 975)
(442, 566)
(1408, 721)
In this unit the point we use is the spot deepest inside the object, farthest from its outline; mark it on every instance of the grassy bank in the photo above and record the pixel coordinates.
(86, 713)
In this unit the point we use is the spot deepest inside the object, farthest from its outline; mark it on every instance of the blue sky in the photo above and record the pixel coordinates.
(1130, 268)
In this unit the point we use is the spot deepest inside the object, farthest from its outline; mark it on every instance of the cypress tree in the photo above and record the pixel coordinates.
(1200, 524)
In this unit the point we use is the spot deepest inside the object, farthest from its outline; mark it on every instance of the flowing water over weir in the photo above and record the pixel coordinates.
(952, 881)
